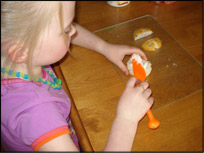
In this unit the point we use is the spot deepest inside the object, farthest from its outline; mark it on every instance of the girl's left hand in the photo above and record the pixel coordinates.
(115, 53)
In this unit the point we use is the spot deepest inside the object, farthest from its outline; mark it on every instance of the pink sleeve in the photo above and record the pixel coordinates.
(41, 123)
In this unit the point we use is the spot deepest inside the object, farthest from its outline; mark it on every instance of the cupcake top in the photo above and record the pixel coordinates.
(145, 64)
(141, 33)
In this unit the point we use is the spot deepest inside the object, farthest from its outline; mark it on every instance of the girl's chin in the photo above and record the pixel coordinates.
(60, 58)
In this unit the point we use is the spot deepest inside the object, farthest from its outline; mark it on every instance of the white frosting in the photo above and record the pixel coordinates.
(154, 42)
(144, 34)
(145, 64)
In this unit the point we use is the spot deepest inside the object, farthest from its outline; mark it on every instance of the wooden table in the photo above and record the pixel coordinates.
(95, 85)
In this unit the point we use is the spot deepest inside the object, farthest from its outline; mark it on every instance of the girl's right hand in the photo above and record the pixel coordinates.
(134, 101)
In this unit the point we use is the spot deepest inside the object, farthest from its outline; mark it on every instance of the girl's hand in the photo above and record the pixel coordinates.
(116, 53)
(134, 102)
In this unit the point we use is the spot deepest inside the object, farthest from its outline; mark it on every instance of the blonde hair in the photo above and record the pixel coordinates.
(22, 22)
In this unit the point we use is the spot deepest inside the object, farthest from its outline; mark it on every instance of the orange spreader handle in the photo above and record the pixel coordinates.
(153, 123)
(140, 74)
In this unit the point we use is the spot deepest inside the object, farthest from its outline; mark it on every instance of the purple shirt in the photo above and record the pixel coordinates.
(31, 113)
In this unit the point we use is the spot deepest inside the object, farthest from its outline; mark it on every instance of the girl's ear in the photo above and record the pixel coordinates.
(17, 54)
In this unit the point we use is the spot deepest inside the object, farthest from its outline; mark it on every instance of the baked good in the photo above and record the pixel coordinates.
(141, 33)
(152, 44)
(145, 64)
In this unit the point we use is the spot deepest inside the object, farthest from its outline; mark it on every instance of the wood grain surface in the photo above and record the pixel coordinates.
(95, 85)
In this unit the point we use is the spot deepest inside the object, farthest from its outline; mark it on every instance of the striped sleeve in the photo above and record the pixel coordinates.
(49, 136)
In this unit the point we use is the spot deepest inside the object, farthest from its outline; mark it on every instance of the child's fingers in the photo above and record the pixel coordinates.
(131, 82)
(143, 86)
(136, 50)
(147, 92)
(151, 100)
(140, 52)
(123, 68)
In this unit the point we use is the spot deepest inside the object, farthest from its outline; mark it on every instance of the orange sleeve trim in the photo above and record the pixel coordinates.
(49, 136)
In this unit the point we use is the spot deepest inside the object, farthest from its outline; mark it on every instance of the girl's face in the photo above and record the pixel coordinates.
(51, 47)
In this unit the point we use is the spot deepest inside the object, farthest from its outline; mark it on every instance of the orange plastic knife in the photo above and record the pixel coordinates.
(140, 74)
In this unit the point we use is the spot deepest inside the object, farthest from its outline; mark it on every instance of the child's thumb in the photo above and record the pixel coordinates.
(131, 82)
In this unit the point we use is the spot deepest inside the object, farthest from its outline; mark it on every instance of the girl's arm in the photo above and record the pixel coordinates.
(132, 106)
(121, 136)
(120, 139)
(61, 143)
(88, 40)
(113, 52)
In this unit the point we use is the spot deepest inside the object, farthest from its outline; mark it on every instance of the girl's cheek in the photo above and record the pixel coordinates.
(64, 49)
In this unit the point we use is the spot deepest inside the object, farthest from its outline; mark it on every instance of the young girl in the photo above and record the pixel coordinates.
(34, 108)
